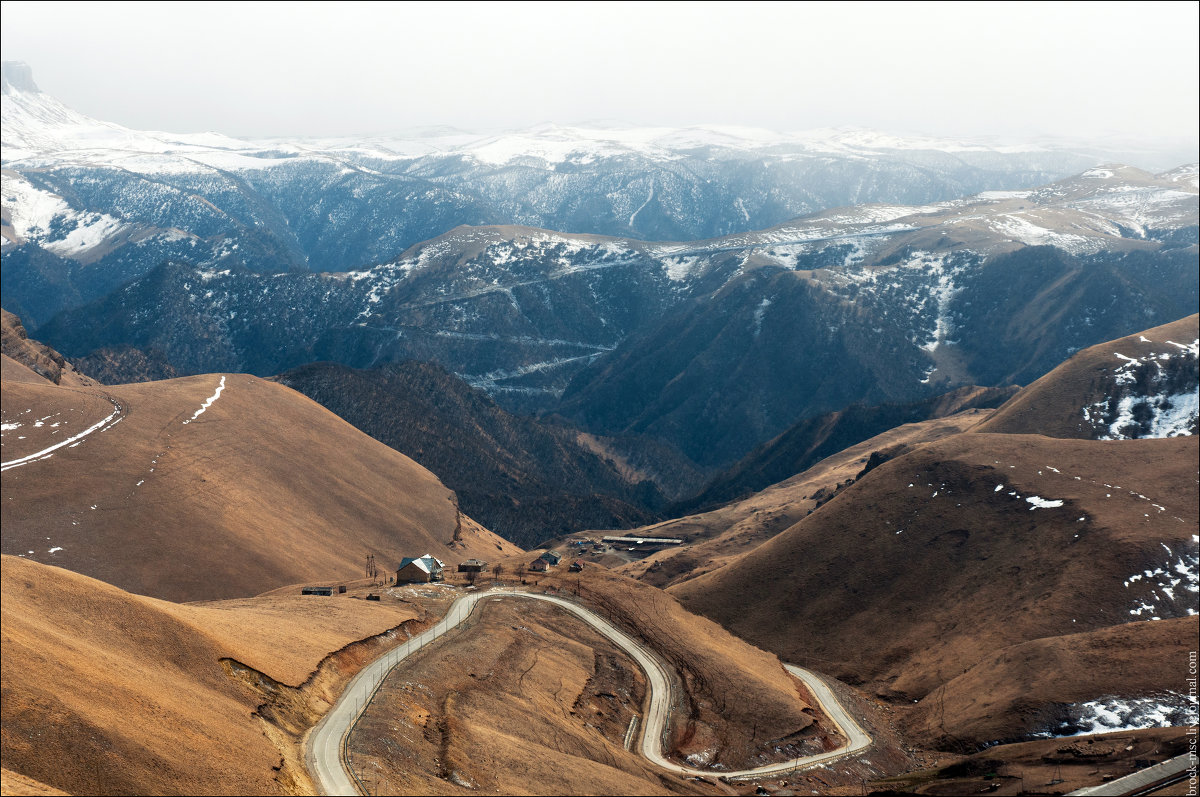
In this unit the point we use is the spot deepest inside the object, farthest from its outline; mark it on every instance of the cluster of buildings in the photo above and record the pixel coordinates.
(551, 559)
(429, 569)
(544, 562)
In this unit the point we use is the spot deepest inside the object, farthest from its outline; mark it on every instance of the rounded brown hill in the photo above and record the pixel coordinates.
(714, 538)
(1082, 397)
(111, 693)
(212, 486)
(939, 558)
(1042, 685)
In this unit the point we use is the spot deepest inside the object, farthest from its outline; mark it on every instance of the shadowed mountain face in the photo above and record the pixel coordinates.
(714, 346)
(126, 364)
(719, 376)
(812, 440)
(525, 480)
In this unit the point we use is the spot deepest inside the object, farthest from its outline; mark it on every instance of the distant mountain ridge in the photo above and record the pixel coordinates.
(713, 345)
(89, 205)
(697, 343)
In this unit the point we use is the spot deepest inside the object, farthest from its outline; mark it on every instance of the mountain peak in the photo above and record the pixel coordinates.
(18, 76)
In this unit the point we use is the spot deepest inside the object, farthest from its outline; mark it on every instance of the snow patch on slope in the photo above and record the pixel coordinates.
(208, 402)
(1154, 395)
(45, 218)
(1171, 589)
(1119, 714)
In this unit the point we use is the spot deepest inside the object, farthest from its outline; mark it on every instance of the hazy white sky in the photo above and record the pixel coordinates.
(256, 69)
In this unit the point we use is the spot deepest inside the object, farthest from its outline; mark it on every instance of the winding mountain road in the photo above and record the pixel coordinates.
(325, 746)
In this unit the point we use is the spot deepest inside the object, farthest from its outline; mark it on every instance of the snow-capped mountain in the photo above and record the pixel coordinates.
(36, 125)
(89, 205)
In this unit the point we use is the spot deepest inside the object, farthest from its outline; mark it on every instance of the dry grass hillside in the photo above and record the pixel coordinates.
(940, 559)
(108, 692)
(717, 537)
(15, 783)
(212, 486)
(817, 438)
(1039, 682)
(1073, 400)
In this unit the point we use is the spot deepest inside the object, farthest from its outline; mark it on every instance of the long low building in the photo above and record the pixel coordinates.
(643, 540)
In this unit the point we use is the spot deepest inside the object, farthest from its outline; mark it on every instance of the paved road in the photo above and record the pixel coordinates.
(1140, 780)
(326, 742)
(324, 747)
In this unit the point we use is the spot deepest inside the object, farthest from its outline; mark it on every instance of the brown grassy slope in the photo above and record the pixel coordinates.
(14, 371)
(814, 439)
(39, 358)
(923, 568)
(264, 488)
(718, 537)
(16, 783)
(1036, 681)
(1053, 405)
(107, 692)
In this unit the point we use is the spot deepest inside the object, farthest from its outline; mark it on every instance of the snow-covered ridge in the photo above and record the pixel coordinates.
(40, 129)
(1152, 395)
(36, 124)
